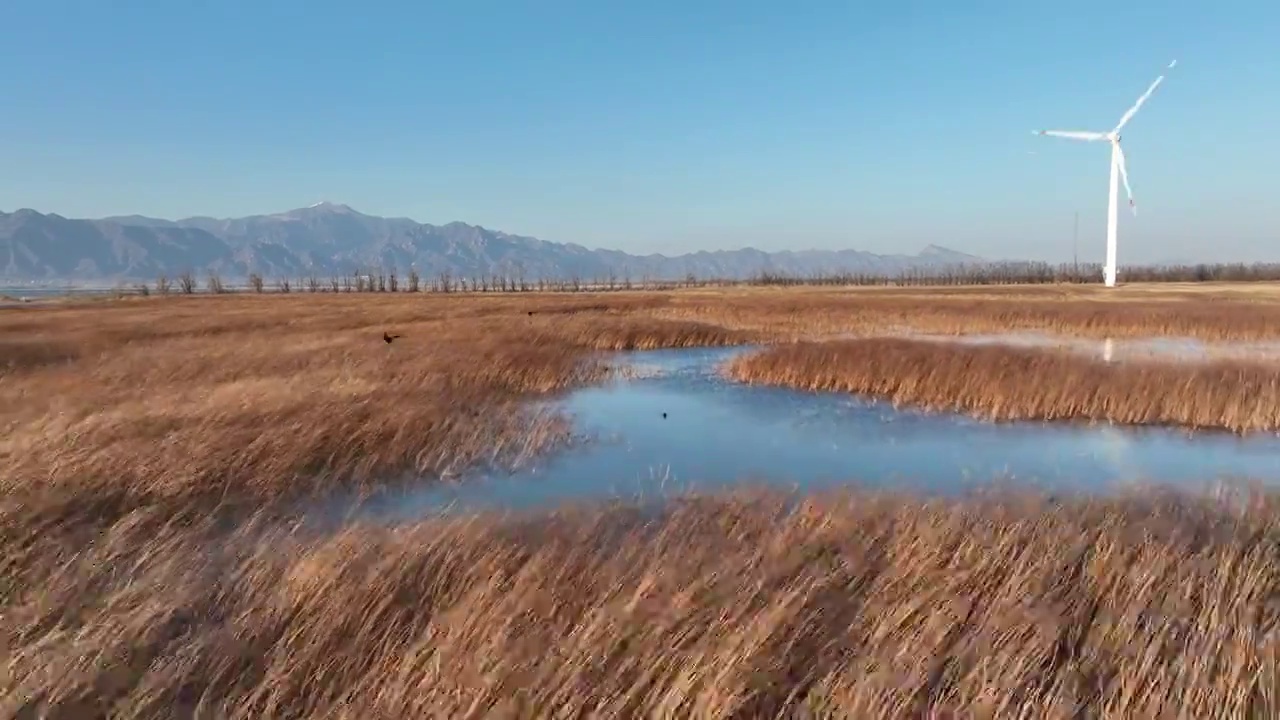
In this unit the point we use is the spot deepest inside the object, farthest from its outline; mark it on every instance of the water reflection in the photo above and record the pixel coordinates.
(717, 433)
(1111, 349)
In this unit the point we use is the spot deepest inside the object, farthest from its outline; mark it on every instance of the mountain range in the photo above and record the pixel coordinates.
(330, 239)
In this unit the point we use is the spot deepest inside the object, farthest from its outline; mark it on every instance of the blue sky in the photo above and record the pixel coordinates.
(659, 126)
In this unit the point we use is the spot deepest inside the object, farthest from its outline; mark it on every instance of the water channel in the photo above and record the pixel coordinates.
(674, 424)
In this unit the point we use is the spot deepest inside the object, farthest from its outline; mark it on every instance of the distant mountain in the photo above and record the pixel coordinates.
(330, 239)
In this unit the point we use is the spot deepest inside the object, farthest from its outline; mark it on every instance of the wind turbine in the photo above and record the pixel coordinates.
(1118, 171)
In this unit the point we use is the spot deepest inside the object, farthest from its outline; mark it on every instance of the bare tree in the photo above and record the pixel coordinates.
(187, 282)
(162, 285)
(415, 281)
(283, 285)
(214, 283)
(520, 277)
(255, 282)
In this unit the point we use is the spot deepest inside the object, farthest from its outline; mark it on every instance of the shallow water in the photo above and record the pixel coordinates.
(1182, 349)
(718, 433)
(33, 296)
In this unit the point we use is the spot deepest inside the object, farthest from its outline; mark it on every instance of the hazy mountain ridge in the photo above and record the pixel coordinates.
(330, 239)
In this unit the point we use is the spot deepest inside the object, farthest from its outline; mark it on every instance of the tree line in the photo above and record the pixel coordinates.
(1000, 273)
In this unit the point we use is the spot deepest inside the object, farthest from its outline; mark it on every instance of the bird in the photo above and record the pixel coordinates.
(530, 313)
(387, 337)
(664, 416)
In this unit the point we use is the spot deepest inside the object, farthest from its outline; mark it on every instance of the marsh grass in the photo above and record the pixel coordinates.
(1011, 383)
(152, 563)
(847, 605)
(801, 314)
(261, 399)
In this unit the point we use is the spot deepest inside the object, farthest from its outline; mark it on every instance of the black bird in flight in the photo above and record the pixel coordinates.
(387, 338)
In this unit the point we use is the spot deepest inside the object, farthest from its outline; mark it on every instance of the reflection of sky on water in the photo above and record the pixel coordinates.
(1109, 349)
(719, 433)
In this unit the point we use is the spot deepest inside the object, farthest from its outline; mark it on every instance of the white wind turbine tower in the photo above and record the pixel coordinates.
(1117, 169)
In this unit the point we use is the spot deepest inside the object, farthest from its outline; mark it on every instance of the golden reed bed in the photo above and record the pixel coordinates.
(232, 399)
(1213, 313)
(154, 452)
(854, 605)
(1011, 383)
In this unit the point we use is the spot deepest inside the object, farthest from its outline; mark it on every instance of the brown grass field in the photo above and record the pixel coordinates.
(1000, 382)
(1212, 313)
(152, 563)
(855, 605)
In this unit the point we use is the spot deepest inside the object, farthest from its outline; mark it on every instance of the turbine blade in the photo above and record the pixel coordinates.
(1124, 119)
(1124, 177)
(1073, 134)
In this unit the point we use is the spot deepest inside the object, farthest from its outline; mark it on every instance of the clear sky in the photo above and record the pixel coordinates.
(659, 125)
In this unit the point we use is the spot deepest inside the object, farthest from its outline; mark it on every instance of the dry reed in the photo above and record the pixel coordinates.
(253, 399)
(797, 314)
(139, 436)
(849, 605)
(1010, 383)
